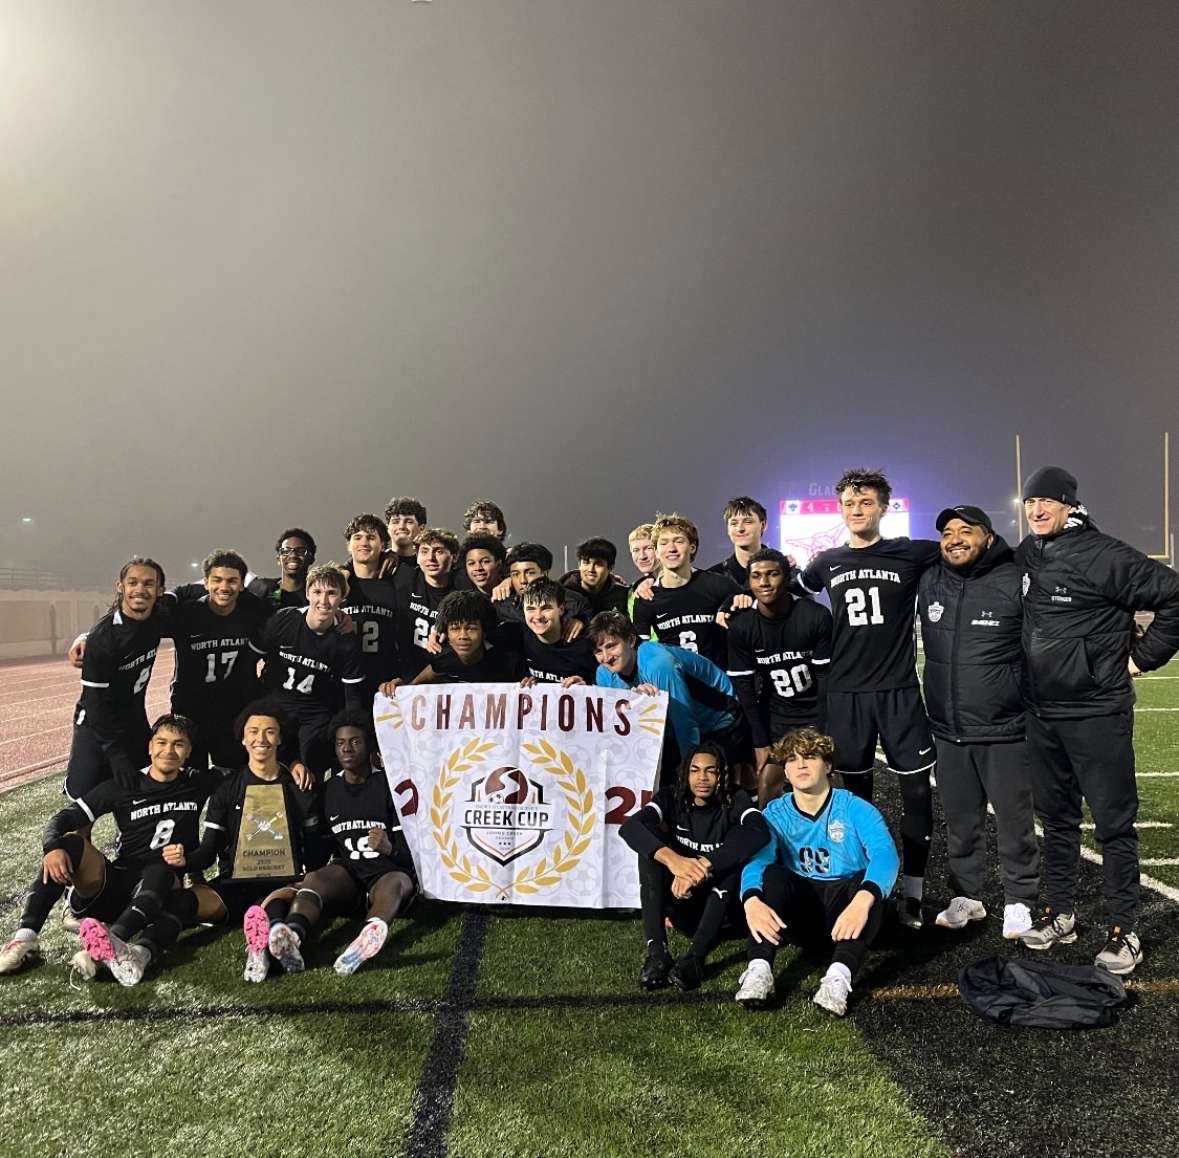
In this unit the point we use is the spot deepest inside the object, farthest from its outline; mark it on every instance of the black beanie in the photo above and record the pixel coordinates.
(1051, 482)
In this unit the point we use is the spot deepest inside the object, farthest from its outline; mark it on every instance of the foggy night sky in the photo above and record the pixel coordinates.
(270, 263)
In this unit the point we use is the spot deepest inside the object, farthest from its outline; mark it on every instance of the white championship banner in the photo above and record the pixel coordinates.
(515, 795)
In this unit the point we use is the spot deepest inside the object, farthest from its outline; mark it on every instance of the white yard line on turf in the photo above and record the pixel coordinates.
(1156, 775)
(1137, 824)
(1156, 709)
(1159, 861)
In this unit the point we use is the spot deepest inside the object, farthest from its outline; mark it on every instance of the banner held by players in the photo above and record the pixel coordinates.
(515, 795)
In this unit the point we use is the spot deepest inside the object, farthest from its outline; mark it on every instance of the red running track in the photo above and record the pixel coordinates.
(37, 699)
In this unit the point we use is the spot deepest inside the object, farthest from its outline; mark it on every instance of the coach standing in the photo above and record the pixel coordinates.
(971, 619)
(1080, 590)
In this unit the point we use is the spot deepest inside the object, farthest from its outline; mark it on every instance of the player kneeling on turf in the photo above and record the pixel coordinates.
(825, 873)
(370, 861)
(692, 839)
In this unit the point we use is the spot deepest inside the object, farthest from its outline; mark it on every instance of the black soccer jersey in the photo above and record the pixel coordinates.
(270, 591)
(726, 836)
(227, 816)
(350, 810)
(775, 664)
(499, 665)
(417, 612)
(153, 814)
(312, 675)
(550, 663)
(116, 666)
(873, 592)
(216, 669)
(733, 569)
(686, 616)
(372, 603)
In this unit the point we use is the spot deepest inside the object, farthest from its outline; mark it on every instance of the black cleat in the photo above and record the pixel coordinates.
(656, 968)
(687, 972)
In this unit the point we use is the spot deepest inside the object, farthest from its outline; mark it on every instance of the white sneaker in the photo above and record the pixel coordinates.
(833, 994)
(17, 952)
(1017, 920)
(757, 985)
(1121, 954)
(960, 912)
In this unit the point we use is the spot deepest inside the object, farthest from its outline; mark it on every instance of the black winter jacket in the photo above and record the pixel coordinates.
(970, 626)
(1080, 591)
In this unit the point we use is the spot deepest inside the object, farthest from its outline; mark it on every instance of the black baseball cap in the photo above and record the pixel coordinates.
(975, 516)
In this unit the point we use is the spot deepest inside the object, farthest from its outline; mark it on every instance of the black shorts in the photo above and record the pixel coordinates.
(897, 717)
(736, 742)
(349, 893)
(238, 896)
(118, 889)
(89, 765)
(214, 742)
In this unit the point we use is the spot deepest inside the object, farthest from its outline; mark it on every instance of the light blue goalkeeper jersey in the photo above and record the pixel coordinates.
(846, 837)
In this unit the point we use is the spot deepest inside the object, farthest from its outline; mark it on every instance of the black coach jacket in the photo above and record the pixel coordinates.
(970, 626)
(1080, 591)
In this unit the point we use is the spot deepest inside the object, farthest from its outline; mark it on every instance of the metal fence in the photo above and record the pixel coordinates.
(28, 579)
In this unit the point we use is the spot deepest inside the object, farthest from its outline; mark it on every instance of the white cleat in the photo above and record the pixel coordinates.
(757, 985)
(14, 955)
(84, 965)
(960, 912)
(256, 926)
(832, 994)
(284, 948)
(1017, 920)
(367, 945)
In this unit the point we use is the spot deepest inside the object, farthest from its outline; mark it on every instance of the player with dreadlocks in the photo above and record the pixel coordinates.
(692, 838)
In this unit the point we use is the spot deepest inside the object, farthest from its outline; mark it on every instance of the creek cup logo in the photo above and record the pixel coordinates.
(935, 612)
(515, 796)
(507, 815)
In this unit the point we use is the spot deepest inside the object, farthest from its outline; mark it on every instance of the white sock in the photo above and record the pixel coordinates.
(839, 969)
(377, 921)
(24, 935)
(913, 887)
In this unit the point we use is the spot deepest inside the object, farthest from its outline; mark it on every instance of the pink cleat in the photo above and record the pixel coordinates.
(256, 926)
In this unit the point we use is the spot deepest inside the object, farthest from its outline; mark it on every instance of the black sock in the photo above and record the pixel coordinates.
(916, 823)
(157, 882)
(178, 913)
(39, 902)
(277, 909)
(860, 785)
(299, 925)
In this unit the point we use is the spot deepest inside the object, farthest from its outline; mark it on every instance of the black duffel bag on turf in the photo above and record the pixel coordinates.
(1041, 994)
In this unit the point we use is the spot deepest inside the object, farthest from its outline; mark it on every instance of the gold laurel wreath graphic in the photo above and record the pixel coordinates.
(393, 714)
(531, 879)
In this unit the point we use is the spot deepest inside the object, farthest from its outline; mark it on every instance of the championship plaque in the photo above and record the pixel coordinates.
(264, 838)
